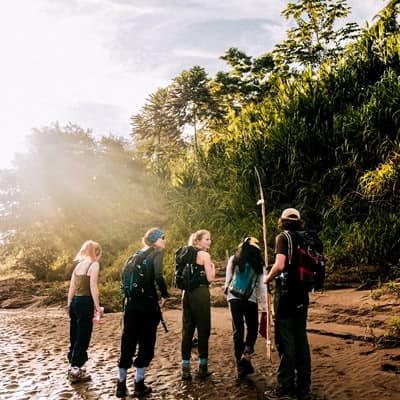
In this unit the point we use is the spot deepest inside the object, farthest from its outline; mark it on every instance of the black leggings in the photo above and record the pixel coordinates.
(140, 331)
(81, 313)
(243, 311)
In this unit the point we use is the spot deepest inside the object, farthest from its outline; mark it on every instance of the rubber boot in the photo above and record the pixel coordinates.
(186, 375)
(141, 389)
(122, 390)
(203, 371)
(246, 360)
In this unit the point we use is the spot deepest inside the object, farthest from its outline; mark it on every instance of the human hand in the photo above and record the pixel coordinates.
(269, 286)
(99, 310)
(162, 302)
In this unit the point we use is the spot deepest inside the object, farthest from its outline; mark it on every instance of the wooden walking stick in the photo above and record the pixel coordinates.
(268, 296)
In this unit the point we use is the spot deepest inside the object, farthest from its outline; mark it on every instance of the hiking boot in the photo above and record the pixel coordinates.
(78, 376)
(244, 367)
(304, 395)
(247, 367)
(186, 375)
(203, 371)
(122, 390)
(280, 394)
(241, 374)
(141, 389)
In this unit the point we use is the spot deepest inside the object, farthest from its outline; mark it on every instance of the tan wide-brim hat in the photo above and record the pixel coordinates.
(290, 214)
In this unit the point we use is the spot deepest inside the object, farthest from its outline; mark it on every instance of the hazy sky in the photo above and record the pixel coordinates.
(94, 62)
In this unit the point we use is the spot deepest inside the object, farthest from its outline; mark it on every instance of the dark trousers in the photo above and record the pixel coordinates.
(81, 313)
(243, 312)
(196, 314)
(294, 351)
(139, 333)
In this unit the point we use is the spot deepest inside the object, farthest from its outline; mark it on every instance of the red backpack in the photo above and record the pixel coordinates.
(305, 252)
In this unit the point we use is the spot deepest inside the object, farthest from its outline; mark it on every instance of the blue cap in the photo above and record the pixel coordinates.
(154, 236)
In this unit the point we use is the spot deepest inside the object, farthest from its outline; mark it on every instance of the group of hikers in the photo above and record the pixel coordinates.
(143, 304)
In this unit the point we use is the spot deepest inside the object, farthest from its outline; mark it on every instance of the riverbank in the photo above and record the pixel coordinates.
(344, 327)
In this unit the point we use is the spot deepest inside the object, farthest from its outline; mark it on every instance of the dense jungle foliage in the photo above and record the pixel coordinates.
(318, 116)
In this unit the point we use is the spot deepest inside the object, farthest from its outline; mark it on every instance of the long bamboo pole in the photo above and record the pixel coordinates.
(261, 202)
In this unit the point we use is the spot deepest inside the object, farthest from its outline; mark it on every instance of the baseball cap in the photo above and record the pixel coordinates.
(290, 214)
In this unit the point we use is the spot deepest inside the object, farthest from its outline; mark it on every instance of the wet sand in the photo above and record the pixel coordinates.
(342, 327)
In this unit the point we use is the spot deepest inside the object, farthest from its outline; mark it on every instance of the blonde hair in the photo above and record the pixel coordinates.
(89, 249)
(197, 236)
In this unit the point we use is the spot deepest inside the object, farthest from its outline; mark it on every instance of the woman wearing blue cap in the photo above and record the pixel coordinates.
(142, 315)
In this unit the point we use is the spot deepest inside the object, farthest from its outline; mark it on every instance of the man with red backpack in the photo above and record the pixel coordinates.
(291, 305)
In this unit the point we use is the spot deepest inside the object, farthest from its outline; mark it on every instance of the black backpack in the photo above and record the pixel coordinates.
(305, 251)
(187, 272)
(135, 274)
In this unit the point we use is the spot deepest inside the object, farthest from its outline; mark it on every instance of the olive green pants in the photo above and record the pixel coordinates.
(196, 314)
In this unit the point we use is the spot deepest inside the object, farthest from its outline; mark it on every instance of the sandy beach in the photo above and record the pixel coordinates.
(343, 329)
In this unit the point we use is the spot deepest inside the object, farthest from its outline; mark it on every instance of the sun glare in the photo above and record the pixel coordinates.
(9, 146)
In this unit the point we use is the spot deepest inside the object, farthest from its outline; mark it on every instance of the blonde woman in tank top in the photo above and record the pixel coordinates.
(196, 308)
(83, 302)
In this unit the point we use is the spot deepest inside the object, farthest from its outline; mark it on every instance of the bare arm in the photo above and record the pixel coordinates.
(71, 291)
(228, 276)
(277, 268)
(94, 290)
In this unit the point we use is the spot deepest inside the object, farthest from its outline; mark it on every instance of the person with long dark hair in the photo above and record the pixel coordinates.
(246, 265)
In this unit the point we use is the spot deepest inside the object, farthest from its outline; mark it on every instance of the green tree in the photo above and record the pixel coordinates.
(247, 81)
(70, 187)
(314, 38)
(156, 132)
(191, 100)
(36, 252)
(154, 129)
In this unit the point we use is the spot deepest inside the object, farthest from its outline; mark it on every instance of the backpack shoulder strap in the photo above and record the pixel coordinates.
(149, 252)
(193, 252)
(288, 236)
(141, 255)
